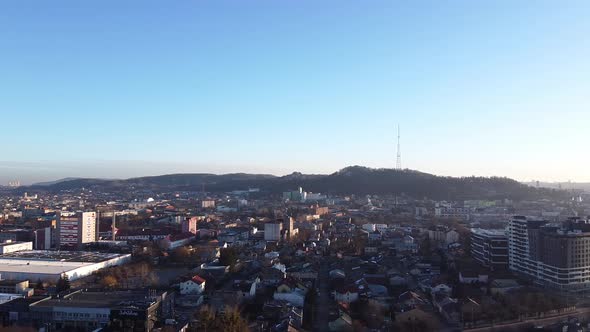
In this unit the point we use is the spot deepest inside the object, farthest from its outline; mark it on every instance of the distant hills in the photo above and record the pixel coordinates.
(50, 183)
(350, 180)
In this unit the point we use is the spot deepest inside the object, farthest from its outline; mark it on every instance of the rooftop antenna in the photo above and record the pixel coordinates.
(398, 163)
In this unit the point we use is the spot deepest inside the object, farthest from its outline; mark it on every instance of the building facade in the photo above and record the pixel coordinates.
(272, 231)
(10, 246)
(552, 255)
(189, 225)
(490, 248)
(43, 238)
(75, 230)
(445, 212)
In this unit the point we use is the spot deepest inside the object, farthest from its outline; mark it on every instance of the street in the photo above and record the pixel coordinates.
(322, 306)
(580, 313)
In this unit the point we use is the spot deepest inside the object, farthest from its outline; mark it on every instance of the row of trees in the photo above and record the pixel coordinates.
(210, 320)
(513, 306)
(128, 276)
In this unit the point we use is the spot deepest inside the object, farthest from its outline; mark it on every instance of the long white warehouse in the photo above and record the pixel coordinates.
(51, 265)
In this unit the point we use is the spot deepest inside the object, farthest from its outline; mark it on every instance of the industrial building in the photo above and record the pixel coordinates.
(51, 265)
(136, 310)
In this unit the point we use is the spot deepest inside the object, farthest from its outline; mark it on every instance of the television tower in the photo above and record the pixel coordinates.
(398, 163)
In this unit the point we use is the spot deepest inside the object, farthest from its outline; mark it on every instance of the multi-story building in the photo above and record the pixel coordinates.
(136, 310)
(489, 247)
(14, 286)
(553, 255)
(302, 196)
(189, 225)
(288, 223)
(208, 204)
(272, 231)
(321, 210)
(443, 236)
(446, 212)
(43, 238)
(76, 229)
(16, 235)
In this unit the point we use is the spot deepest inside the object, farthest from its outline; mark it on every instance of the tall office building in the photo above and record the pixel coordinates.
(76, 229)
(552, 255)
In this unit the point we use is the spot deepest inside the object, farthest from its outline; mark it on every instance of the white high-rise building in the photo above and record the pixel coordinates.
(520, 231)
(88, 227)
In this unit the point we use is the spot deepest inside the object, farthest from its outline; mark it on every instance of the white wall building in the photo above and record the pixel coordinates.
(445, 212)
(195, 285)
(8, 247)
(51, 265)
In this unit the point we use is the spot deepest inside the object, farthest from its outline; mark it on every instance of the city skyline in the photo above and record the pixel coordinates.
(113, 90)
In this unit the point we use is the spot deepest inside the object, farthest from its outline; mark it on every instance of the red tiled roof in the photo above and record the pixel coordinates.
(198, 279)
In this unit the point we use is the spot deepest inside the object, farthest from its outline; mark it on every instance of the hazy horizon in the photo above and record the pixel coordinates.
(115, 89)
(40, 172)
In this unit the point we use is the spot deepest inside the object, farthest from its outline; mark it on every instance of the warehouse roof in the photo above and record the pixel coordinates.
(59, 256)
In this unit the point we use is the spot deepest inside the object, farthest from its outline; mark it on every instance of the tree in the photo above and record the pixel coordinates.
(228, 257)
(63, 283)
(109, 281)
(181, 254)
(230, 321)
(206, 318)
(426, 247)
(39, 285)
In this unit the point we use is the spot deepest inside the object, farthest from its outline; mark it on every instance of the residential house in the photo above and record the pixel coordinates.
(346, 294)
(271, 277)
(194, 285)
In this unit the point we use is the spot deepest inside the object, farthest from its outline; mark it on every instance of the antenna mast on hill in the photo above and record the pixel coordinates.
(398, 163)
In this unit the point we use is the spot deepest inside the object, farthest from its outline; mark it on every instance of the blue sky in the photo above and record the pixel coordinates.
(130, 88)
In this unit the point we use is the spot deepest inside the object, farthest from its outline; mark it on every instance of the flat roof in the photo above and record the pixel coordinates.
(489, 232)
(59, 256)
(12, 267)
(90, 299)
(50, 262)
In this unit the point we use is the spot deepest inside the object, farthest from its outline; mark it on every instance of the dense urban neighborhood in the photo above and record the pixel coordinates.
(160, 255)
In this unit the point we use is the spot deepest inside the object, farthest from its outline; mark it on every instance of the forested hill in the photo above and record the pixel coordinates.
(350, 180)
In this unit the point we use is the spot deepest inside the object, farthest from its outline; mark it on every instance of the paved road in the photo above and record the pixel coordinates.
(580, 313)
(323, 301)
